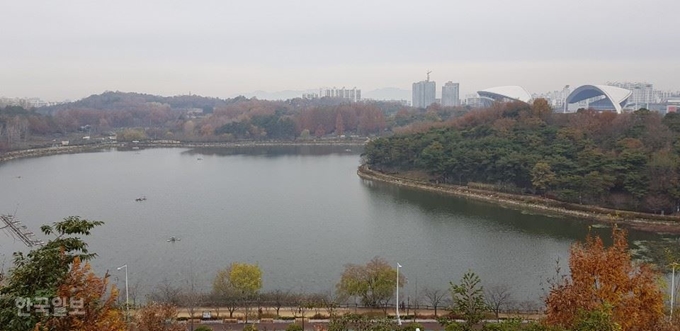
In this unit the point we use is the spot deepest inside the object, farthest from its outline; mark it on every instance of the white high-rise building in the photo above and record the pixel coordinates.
(423, 94)
(451, 94)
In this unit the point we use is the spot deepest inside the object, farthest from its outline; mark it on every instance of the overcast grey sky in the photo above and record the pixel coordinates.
(74, 48)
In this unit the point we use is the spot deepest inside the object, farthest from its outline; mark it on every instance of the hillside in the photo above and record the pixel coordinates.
(130, 100)
(624, 161)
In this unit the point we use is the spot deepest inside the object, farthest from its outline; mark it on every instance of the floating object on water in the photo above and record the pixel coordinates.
(173, 239)
(143, 198)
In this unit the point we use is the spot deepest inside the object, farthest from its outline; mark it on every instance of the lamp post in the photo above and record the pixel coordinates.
(127, 296)
(673, 266)
(397, 303)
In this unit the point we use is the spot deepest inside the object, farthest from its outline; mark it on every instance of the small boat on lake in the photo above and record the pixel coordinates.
(173, 239)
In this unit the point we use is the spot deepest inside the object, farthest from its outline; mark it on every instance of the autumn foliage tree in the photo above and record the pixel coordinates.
(99, 311)
(237, 285)
(158, 317)
(605, 279)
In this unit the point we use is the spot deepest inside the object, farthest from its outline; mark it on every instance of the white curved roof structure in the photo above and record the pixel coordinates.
(615, 97)
(501, 93)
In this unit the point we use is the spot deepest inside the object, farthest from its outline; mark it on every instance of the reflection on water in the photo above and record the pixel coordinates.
(304, 150)
(300, 212)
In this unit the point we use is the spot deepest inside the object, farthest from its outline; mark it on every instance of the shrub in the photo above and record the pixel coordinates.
(294, 327)
(250, 327)
(202, 328)
(454, 326)
(507, 325)
(268, 315)
(374, 314)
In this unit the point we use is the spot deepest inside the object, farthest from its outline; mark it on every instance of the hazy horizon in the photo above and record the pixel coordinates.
(71, 50)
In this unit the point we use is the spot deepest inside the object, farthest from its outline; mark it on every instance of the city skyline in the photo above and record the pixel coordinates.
(70, 50)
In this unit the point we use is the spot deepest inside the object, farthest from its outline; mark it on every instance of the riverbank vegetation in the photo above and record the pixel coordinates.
(623, 161)
(605, 290)
(136, 116)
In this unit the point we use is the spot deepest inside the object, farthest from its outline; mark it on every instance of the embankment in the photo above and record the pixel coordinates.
(634, 220)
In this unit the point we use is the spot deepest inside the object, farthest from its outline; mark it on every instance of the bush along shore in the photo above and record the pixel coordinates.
(55, 150)
(634, 220)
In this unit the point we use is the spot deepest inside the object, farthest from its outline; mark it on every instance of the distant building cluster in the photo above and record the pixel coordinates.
(424, 94)
(615, 96)
(641, 95)
(555, 98)
(26, 103)
(353, 94)
(644, 93)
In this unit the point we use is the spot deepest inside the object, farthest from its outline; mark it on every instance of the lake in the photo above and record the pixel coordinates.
(300, 213)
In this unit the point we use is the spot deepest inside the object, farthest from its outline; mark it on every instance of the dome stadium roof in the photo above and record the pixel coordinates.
(615, 97)
(500, 93)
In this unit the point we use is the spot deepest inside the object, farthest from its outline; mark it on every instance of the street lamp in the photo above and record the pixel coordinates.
(397, 303)
(673, 266)
(127, 296)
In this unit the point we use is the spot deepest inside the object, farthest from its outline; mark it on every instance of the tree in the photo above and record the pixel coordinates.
(542, 176)
(224, 292)
(339, 126)
(374, 282)
(42, 271)
(159, 317)
(236, 284)
(131, 135)
(331, 301)
(435, 298)
(497, 297)
(320, 131)
(541, 108)
(166, 292)
(98, 309)
(245, 278)
(468, 299)
(605, 279)
(277, 299)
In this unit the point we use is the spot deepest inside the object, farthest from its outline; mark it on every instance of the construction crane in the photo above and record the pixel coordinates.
(19, 231)
(428, 75)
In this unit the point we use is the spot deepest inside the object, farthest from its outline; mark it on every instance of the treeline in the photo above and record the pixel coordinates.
(197, 118)
(624, 161)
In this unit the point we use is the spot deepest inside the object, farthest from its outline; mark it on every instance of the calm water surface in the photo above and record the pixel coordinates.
(301, 213)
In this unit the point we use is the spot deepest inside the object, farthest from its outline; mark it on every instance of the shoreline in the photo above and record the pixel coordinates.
(634, 220)
(47, 151)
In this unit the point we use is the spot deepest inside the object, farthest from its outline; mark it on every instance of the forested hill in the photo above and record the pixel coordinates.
(130, 100)
(623, 161)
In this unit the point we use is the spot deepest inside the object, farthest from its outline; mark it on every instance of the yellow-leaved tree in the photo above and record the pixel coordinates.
(237, 285)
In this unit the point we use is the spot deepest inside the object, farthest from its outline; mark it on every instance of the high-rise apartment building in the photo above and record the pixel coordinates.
(451, 94)
(423, 93)
(353, 94)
